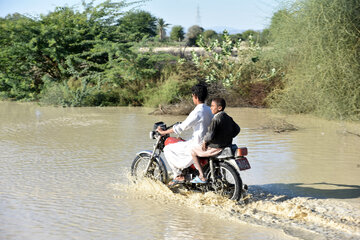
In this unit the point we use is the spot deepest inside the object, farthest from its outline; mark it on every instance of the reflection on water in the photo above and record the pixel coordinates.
(64, 175)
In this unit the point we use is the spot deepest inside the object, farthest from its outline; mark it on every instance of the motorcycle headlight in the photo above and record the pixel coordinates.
(152, 135)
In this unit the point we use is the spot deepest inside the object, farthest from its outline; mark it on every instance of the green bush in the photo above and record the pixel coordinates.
(63, 94)
(173, 90)
(57, 94)
(174, 85)
(247, 74)
(320, 42)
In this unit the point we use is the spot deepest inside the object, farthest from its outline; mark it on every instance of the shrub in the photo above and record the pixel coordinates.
(231, 71)
(174, 86)
(320, 40)
(192, 35)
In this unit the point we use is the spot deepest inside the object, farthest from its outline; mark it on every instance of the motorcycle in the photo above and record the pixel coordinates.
(221, 171)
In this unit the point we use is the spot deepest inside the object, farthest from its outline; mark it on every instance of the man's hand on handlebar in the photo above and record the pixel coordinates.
(159, 130)
(164, 132)
(168, 130)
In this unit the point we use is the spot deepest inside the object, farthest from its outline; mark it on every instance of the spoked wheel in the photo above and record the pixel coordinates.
(227, 181)
(156, 171)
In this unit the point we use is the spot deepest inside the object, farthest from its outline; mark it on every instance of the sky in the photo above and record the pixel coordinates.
(210, 14)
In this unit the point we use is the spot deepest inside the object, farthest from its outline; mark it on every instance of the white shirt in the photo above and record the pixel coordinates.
(178, 155)
(199, 120)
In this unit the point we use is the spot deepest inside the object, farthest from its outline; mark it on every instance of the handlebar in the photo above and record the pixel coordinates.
(163, 126)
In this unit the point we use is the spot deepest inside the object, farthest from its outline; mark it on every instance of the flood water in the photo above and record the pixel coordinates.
(65, 175)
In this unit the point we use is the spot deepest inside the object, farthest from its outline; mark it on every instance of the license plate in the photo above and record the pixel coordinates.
(243, 163)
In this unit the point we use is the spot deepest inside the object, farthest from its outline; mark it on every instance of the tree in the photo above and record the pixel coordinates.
(209, 34)
(70, 57)
(138, 24)
(264, 37)
(255, 35)
(318, 43)
(236, 37)
(161, 27)
(17, 58)
(193, 34)
(177, 33)
(64, 45)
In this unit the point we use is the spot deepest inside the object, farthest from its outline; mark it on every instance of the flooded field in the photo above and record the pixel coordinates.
(65, 175)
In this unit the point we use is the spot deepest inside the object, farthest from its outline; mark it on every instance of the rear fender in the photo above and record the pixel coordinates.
(233, 163)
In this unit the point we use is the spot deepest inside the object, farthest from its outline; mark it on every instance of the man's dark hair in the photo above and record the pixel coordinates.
(220, 102)
(200, 90)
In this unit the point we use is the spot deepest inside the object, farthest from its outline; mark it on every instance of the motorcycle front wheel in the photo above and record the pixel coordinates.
(157, 170)
(227, 181)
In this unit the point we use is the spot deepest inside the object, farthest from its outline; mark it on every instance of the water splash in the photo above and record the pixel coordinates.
(301, 217)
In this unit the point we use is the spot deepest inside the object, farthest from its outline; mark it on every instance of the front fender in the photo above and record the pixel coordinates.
(144, 151)
(156, 156)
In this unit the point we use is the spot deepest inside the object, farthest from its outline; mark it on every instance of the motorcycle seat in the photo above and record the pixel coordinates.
(227, 152)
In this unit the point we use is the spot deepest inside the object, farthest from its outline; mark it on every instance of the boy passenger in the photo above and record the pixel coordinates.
(220, 133)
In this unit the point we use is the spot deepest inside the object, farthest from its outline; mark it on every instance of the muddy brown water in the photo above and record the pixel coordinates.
(64, 175)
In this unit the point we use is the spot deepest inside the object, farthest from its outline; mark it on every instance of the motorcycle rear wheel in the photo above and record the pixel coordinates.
(227, 182)
(157, 170)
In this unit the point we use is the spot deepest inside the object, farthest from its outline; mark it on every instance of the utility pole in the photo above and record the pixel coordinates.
(198, 18)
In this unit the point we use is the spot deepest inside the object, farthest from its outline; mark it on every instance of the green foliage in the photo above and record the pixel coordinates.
(209, 35)
(137, 72)
(264, 37)
(174, 86)
(17, 59)
(136, 25)
(43, 57)
(171, 91)
(236, 37)
(177, 33)
(61, 94)
(319, 43)
(161, 28)
(251, 34)
(192, 35)
(228, 67)
(85, 58)
(219, 64)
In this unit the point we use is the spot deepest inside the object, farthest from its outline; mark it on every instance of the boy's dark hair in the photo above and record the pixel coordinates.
(220, 102)
(200, 90)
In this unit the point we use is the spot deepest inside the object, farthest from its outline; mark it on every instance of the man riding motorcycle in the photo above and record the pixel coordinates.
(178, 155)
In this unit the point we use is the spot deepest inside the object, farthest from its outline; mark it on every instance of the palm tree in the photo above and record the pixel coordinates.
(161, 26)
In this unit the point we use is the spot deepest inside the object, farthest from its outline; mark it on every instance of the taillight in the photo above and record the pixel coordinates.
(241, 152)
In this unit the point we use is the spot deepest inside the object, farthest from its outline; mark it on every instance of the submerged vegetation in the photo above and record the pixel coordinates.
(306, 62)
